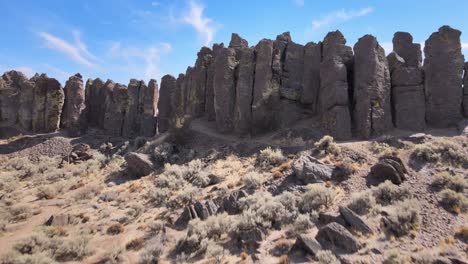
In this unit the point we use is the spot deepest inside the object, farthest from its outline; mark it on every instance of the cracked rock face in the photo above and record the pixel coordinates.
(443, 68)
(372, 107)
(73, 117)
(465, 91)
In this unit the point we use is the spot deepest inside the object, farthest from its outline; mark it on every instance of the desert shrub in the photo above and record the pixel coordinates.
(346, 168)
(271, 156)
(362, 203)
(453, 202)
(395, 257)
(175, 176)
(187, 196)
(327, 146)
(139, 142)
(302, 223)
(423, 257)
(316, 197)
(265, 210)
(32, 245)
(403, 218)
(20, 212)
(135, 244)
(230, 166)
(111, 256)
(441, 150)
(201, 179)
(327, 257)
(215, 252)
(151, 253)
(158, 196)
(87, 193)
(8, 184)
(387, 193)
(289, 200)
(253, 180)
(154, 227)
(212, 228)
(380, 148)
(444, 180)
(115, 229)
(71, 249)
(16, 258)
(46, 192)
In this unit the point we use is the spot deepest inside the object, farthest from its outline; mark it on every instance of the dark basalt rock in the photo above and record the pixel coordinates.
(310, 170)
(311, 75)
(465, 91)
(389, 168)
(372, 109)
(95, 103)
(443, 69)
(139, 164)
(355, 221)
(165, 111)
(307, 243)
(335, 237)
(73, 117)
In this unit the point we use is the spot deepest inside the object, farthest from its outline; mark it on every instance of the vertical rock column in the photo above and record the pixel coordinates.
(95, 103)
(196, 97)
(225, 89)
(443, 70)
(148, 102)
(209, 89)
(131, 126)
(266, 90)
(116, 99)
(465, 91)
(334, 86)
(311, 75)
(165, 110)
(47, 105)
(372, 107)
(244, 85)
(73, 117)
(408, 101)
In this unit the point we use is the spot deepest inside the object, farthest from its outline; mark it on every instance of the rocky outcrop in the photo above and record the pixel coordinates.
(139, 164)
(371, 107)
(168, 87)
(308, 244)
(225, 89)
(334, 86)
(336, 237)
(148, 109)
(197, 86)
(443, 69)
(94, 100)
(409, 107)
(47, 105)
(389, 168)
(311, 170)
(465, 91)
(73, 117)
(311, 75)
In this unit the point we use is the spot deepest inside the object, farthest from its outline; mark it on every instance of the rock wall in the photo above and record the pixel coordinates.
(253, 90)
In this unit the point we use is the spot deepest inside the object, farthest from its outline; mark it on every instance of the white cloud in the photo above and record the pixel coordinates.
(465, 45)
(154, 3)
(387, 46)
(203, 25)
(140, 59)
(339, 16)
(77, 51)
(299, 3)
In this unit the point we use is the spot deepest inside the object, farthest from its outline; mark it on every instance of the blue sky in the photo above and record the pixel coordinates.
(144, 39)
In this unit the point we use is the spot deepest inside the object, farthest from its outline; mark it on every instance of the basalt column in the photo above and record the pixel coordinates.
(225, 89)
(148, 103)
(209, 89)
(116, 99)
(334, 86)
(311, 75)
(95, 103)
(73, 117)
(244, 85)
(408, 101)
(196, 95)
(47, 104)
(443, 70)
(165, 110)
(372, 106)
(465, 91)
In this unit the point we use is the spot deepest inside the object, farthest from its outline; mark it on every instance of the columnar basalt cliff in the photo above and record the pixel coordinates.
(253, 90)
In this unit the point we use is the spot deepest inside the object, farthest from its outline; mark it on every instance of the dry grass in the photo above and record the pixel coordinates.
(441, 150)
(327, 146)
(115, 229)
(317, 197)
(454, 202)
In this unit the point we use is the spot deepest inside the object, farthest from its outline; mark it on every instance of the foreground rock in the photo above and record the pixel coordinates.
(139, 164)
(372, 109)
(307, 243)
(443, 68)
(355, 221)
(73, 117)
(310, 170)
(389, 168)
(335, 237)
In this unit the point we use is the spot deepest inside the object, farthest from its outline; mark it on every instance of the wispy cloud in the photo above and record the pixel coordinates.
(338, 17)
(202, 24)
(299, 3)
(140, 59)
(76, 51)
(155, 3)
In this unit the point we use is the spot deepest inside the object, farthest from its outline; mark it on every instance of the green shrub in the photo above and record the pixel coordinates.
(20, 212)
(362, 203)
(211, 228)
(302, 223)
(453, 202)
(441, 150)
(317, 196)
(387, 193)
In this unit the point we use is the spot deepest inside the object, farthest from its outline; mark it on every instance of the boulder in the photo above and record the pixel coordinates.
(335, 237)
(389, 168)
(165, 111)
(443, 69)
(307, 243)
(310, 170)
(225, 89)
(250, 236)
(188, 214)
(372, 113)
(244, 88)
(73, 116)
(266, 91)
(148, 102)
(139, 164)
(311, 75)
(231, 202)
(355, 221)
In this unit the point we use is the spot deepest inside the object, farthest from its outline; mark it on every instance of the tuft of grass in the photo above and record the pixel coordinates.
(271, 156)
(20, 212)
(253, 180)
(444, 180)
(115, 229)
(327, 146)
(453, 202)
(380, 148)
(302, 223)
(135, 244)
(151, 253)
(403, 218)
(387, 193)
